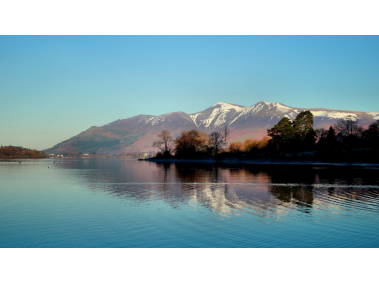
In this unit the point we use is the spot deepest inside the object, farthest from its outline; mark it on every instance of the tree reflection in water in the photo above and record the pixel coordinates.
(264, 191)
(299, 195)
(230, 190)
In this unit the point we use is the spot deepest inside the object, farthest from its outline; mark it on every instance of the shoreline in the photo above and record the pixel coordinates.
(225, 161)
(22, 157)
(236, 161)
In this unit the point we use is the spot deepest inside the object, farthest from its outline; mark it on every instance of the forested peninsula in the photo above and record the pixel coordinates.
(11, 152)
(344, 142)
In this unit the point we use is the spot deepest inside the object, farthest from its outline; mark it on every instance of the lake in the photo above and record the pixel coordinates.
(129, 203)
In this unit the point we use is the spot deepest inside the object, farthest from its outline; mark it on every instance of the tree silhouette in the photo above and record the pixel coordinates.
(190, 142)
(348, 132)
(218, 139)
(371, 135)
(348, 126)
(331, 141)
(303, 124)
(166, 142)
(282, 134)
(235, 147)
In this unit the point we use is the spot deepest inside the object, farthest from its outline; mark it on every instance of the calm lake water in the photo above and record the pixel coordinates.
(129, 203)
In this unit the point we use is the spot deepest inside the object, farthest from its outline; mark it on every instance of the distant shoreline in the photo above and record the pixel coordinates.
(21, 157)
(225, 161)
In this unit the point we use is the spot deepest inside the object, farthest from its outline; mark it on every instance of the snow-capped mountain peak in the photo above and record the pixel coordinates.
(264, 108)
(216, 115)
(227, 106)
(138, 133)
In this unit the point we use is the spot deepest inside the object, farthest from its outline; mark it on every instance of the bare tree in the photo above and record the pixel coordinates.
(218, 139)
(348, 127)
(165, 143)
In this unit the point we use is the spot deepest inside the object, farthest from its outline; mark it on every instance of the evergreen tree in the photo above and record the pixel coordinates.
(283, 132)
(294, 136)
(331, 140)
(371, 135)
(303, 124)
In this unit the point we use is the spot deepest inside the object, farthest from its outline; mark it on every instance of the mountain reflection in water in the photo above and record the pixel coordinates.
(263, 191)
(129, 203)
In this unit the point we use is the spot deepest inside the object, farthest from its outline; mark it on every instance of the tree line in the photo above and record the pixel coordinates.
(249, 148)
(7, 152)
(344, 140)
(191, 144)
(287, 139)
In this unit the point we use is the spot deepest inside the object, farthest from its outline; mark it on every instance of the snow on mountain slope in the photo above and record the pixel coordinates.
(332, 114)
(375, 115)
(193, 117)
(278, 110)
(216, 115)
(268, 109)
(227, 106)
(138, 133)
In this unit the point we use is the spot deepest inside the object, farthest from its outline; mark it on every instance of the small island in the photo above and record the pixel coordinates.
(13, 152)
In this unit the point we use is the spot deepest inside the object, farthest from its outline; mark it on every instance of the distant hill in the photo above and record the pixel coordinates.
(8, 152)
(138, 133)
(97, 140)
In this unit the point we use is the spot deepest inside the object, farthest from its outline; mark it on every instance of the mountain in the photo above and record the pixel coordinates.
(138, 133)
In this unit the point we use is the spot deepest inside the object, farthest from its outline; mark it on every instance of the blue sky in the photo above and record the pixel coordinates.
(54, 87)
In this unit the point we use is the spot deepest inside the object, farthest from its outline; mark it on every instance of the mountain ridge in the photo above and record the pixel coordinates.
(137, 133)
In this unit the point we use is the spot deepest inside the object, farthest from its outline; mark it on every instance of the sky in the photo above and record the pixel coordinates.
(54, 87)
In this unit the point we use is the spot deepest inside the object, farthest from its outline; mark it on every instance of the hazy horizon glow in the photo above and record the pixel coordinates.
(54, 87)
